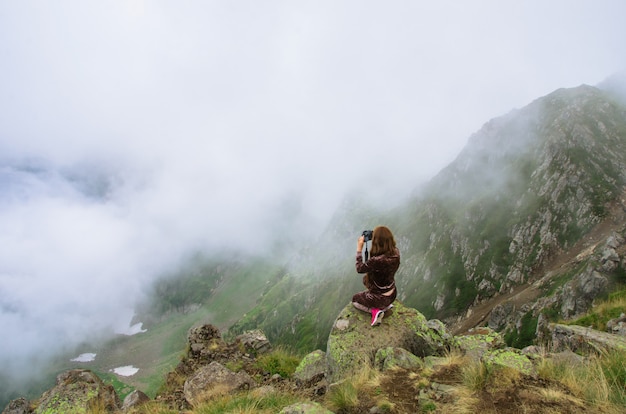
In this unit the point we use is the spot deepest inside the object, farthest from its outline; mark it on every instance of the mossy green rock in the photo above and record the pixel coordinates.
(390, 357)
(511, 358)
(312, 368)
(78, 391)
(353, 343)
(479, 341)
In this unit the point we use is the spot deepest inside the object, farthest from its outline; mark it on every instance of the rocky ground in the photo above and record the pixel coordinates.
(403, 382)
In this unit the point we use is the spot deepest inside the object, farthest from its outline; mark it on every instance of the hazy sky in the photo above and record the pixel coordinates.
(198, 119)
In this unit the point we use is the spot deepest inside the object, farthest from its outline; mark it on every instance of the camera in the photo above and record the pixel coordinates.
(367, 235)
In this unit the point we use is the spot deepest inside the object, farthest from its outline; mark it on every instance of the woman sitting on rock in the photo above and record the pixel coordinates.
(380, 272)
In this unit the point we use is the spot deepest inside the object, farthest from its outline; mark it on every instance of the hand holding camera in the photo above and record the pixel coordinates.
(365, 237)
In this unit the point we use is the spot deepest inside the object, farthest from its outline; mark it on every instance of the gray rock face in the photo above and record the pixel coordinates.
(501, 316)
(585, 340)
(134, 399)
(215, 379)
(353, 343)
(578, 294)
(78, 390)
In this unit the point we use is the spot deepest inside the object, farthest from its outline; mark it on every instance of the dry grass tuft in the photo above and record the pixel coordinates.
(465, 402)
(475, 375)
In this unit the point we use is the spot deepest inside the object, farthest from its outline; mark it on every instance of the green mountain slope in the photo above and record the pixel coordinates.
(527, 186)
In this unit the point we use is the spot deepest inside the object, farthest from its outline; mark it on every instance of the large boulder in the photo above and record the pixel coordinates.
(584, 340)
(509, 357)
(479, 341)
(312, 368)
(353, 343)
(215, 379)
(78, 391)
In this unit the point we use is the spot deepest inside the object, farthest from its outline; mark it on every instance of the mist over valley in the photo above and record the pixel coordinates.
(162, 165)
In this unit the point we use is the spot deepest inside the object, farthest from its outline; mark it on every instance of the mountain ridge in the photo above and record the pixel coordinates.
(531, 198)
(475, 232)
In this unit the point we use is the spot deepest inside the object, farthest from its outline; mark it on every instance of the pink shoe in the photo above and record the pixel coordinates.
(377, 316)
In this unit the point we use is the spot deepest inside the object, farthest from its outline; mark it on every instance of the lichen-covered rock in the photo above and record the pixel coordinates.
(353, 343)
(396, 357)
(479, 341)
(311, 369)
(78, 391)
(511, 358)
(215, 379)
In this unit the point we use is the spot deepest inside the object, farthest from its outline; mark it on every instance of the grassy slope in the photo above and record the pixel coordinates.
(157, 351)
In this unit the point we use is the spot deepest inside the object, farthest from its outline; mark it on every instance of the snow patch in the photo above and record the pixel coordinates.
(87, 357)
(132, 330)
(125, 371)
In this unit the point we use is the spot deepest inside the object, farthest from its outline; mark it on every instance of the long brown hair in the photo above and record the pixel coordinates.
(383, 242)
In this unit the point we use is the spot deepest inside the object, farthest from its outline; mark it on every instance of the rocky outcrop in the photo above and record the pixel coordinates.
(501, 316)
(78, 391)
(205, 366)
(203, 341)
(578, 294)
(213, 380)
(353, 343)
(583, 340)
(404, 344)
(312, 368)
(478, 342)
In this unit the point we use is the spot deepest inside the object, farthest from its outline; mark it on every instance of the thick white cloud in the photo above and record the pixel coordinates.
(195, 120)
